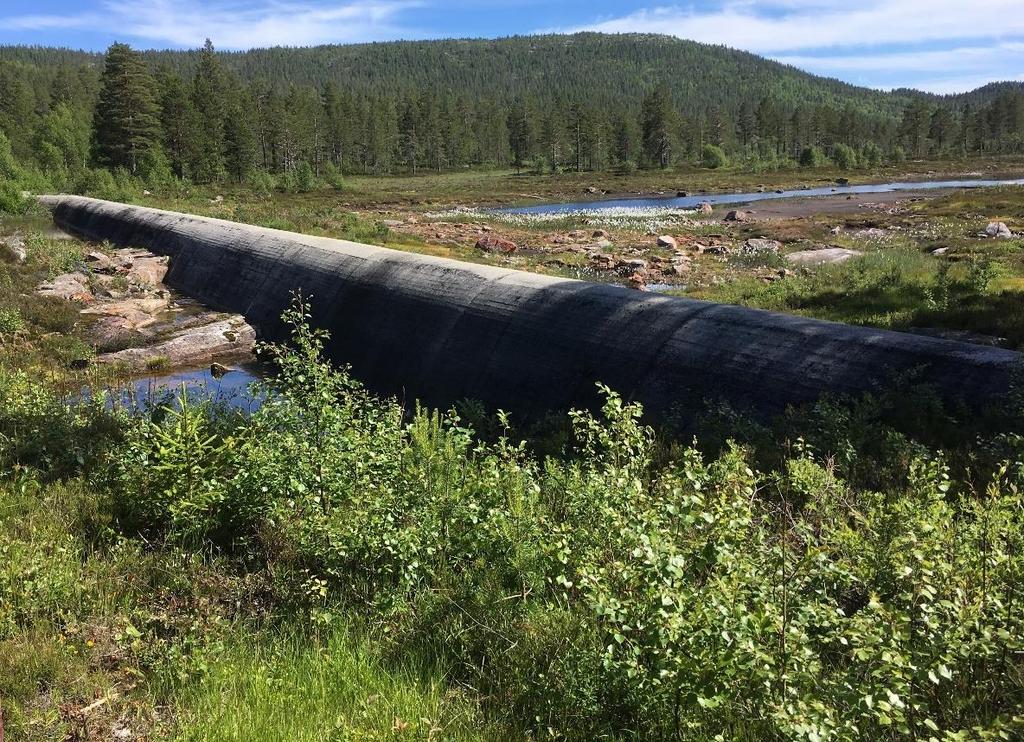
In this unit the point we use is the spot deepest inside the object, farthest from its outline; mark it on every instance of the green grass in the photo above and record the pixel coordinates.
(84, 618)
(296, 689)
(893, 289)
(506, 187)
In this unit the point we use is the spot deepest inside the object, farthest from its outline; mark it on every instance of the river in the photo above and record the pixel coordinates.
(692, 201)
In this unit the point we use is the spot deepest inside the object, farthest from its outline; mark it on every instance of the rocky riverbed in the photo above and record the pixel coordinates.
(135, 321)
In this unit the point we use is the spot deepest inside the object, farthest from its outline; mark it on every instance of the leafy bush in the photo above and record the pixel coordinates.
(713, 157)
(11, 199)
(42, 431)
(844, 156)
(622, 585)
(101, 183)
(871, 155)
(10, 321)
(812, 157)
(305, 179)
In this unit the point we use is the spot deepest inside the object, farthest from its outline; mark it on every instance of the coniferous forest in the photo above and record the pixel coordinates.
(542, 104)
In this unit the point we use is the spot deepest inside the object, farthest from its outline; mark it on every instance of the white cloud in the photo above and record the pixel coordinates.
(974, 58)
(234, 24)
(789, 25)
(942, 45)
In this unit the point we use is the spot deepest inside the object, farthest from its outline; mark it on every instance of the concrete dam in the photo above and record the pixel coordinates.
(441, 330)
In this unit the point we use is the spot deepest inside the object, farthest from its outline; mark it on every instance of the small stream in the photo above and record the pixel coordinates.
(692, 201)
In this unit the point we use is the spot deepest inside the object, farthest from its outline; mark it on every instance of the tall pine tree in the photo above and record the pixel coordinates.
(208, 103)
(126, 123)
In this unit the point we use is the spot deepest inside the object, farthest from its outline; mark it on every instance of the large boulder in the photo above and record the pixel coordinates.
(148, 270)
(492, 244)
(998, 230)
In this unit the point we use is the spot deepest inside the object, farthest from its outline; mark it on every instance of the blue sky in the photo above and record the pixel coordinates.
(938, 45)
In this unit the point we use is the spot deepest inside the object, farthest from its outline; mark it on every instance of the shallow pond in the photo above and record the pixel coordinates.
(690, 202)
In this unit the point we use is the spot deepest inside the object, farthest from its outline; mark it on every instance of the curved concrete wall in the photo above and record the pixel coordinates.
(441, 330)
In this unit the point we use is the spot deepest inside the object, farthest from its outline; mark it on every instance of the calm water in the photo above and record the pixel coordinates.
(232, 389)
(690, 202)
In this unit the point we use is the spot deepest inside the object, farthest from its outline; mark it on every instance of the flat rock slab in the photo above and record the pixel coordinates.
(224, 338)
(70, 286)
(825, 256)
(134, 313)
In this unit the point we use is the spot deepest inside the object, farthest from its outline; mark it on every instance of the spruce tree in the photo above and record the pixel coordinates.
(656, 128)
(239, 138)
(520, 135)
(126, 124)
(176, 120)
(208, 103)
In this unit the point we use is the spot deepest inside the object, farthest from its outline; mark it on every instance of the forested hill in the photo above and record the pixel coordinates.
(605, 69)
(586, 101)
(599, 67)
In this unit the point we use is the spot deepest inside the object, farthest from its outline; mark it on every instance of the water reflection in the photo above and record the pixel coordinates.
(231, 389)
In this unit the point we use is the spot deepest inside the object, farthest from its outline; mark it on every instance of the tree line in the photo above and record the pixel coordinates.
(207, 123)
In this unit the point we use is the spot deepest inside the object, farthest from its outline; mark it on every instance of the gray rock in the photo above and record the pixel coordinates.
(13, 248)
(826, 255)
(998, 230)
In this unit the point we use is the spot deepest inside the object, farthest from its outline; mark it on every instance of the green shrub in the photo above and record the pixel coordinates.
(305, 178)
(261, 183)
(812, 157)
(101, 183)
(11, 199)
(43, 431)
(713, 157)
(10, 321)
(844, 157)
(871, 155)
(621, 585)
